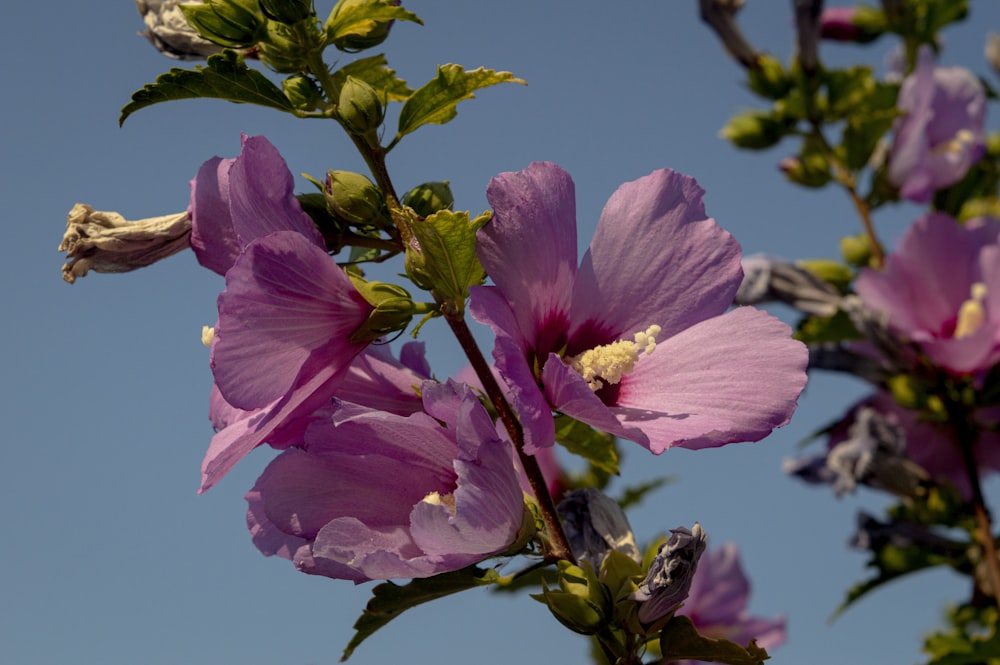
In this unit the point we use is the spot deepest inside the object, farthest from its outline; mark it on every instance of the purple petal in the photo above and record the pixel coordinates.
(285, 316)
(529, 248)
(720, 590)
(379, 381)
(261, 195)
(212, 237)
(731, 378)
(656, 259)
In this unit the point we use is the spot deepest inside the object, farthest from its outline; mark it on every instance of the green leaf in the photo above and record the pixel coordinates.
(970, 639)
(375, 72)
(596, 447)
(225, 76)
(446, 263)
(634, 494)
(389, 600)
(435, 102)
(680, 640)
(822, 329)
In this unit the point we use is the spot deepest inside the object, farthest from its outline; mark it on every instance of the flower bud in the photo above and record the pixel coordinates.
(595, 524)
(302, 92)
(288, 12)
(393, 309)
(280, 50)
(355, 199)
(856, 250)
(584, 604)
(769, 79)
(858, 24)
(812, 170)
(754, 130)
(668, 580)
(360, 110)
(429, 198)
(231, 23)
(361, 39)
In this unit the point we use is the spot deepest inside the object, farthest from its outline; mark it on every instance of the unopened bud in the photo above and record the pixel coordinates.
(429, 198)
(360, 110)
(288, 12)
(769, 79)
(856, 250)
(355, 199)
(373, 34)
(754, 130)
(668, 580)
(302, 92)
(858, 24)
(584, 604)
(393, 309)
(595, 524)
(812, 170)
(230, 23)
(281, 50)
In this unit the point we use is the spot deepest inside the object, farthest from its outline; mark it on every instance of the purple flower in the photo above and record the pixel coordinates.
(374, 379)
(941, 134)
(374, 495)
(718, 598)
(658, 274)
(941, 290)
(283, 340)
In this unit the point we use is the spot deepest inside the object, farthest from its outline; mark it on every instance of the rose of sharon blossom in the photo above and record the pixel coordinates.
(374, 495)
(636, 340)
(941, 133)
(941, 290)
(283, 338)
(717, 602)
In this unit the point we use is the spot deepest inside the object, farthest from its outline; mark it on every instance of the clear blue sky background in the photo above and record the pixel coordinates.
(108, 555)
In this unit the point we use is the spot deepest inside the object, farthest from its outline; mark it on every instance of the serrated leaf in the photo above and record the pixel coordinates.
(225, 76)
(375, 72)
(448, 261)
(389, 600)
(680, 640)
(581, 439)
(436, 101)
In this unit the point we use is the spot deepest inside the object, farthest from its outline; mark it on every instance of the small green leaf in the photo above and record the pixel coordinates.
(634, 494)
(435, 102)
(446, 263)
(375, 72)
(596, 447)
(389, 600)
(822, 329)
(680, 640)
(225, 76)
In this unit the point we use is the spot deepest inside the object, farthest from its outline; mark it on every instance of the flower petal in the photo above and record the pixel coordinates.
(212, 237)
(656, 259)
(730, 378)
(287, 313)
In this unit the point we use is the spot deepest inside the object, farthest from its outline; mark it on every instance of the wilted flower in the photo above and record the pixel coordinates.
(595, 524)
(374, 495)
(169, 31)
(668, 580)
(636, 341)
(941, 291)
(718, 598)
(941, 133)
(767, 280)
(107, 242)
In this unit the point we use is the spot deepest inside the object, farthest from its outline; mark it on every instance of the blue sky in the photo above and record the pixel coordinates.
(108, 554)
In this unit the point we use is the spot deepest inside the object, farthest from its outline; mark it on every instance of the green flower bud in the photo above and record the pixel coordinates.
(231, 23)
(906, 391)
(429, 197)
(355, 199)
(393, 311)
(302, 92)
(754, 130)
(280, 50)
(769, 79)
(360, 110)
(288, 12)
(812, 170)
(584, 604)
(369, 34)
(857, 250)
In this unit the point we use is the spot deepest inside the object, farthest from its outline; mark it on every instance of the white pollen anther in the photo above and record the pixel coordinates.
(971, 315)
(608, 363)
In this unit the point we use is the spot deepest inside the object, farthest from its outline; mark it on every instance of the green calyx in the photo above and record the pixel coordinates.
(393, 309)
(355, 199)
(582, 604)
(360, 110)
(230, 23)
